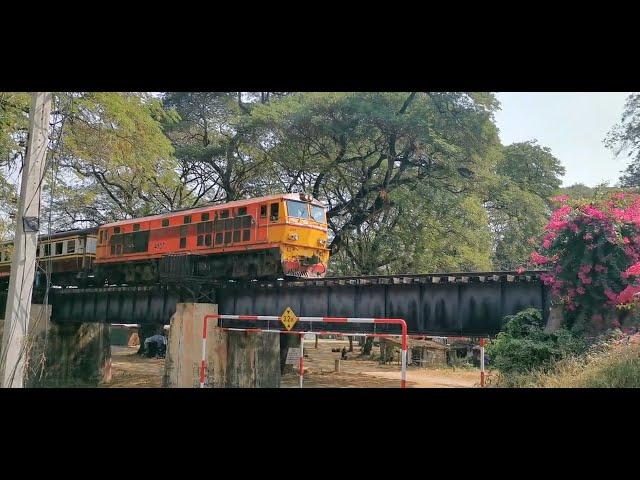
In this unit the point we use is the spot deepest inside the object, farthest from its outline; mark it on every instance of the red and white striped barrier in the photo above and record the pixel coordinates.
(270, 318)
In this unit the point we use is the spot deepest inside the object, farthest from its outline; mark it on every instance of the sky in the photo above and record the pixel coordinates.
(572, 124)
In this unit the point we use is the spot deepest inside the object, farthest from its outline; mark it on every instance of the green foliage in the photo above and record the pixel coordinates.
(414, 181)
(359, 151)
(527, 175)
(522, 345)
(624, 138)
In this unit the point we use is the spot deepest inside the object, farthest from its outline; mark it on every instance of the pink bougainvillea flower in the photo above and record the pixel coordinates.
(633, 269)
(547, 279)
(546, 244)
(585, 267)
(600, 268)
(611, 295)
(560, 198)
(585, 278)
(580, 290)
(594, 212)
(538, 259)
(520, 270)
(625, 240)
(628, 294)
(588, 237)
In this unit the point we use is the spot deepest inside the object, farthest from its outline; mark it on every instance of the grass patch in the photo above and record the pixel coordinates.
(613, 363)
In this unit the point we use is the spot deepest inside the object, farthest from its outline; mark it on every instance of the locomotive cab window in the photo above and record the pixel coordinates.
(116, 229)
(242, 211)
(263, 211)
(224, 214)
(205, 217)
(187, 219)
(317, 213)
(297, 209)
(165, 222)
(275, 209)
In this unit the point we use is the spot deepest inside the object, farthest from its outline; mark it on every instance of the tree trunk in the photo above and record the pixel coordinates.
(350, 337)
(368, 345)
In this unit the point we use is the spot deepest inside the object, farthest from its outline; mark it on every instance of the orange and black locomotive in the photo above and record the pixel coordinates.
(277, 236)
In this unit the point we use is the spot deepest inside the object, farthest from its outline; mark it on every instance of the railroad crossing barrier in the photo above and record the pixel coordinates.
(339, 320)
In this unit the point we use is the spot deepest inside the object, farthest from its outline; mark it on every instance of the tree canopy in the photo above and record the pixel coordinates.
(413, 181)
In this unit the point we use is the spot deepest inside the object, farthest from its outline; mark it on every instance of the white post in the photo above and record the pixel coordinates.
(301, 363)
(403, 382)
(23, 262)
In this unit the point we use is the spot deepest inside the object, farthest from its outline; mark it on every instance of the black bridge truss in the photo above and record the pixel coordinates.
(447, 304)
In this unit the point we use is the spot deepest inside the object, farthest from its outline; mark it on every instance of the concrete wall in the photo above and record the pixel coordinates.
(67, 354)
(234, 359)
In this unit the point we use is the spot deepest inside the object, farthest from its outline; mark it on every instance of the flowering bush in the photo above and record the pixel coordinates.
(592, 252)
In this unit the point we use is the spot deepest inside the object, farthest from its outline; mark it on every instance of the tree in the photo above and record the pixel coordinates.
(216, 144)
(624, 137)
(353, 150)
(14, 125)
(108, 156)
(518, 199)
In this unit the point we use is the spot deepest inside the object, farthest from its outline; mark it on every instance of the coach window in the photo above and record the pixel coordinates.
(242, 211)
(263, 211)
(205, 217)
(136, 227)
(100, 237)
(165, 222)
(71, 246)
(116, 229)
(187, 219)
(59, 248)
(224, 214)
(275, 208)
(38, 251)
(47, 249)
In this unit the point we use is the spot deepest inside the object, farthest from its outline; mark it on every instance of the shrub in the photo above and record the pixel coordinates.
(589, 248)
(523, 345)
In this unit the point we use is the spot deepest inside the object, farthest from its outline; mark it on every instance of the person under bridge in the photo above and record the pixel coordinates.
(155, 346)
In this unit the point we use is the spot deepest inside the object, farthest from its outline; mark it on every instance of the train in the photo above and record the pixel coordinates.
(276, 236)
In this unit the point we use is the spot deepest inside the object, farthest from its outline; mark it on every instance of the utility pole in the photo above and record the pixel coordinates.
(23, 262)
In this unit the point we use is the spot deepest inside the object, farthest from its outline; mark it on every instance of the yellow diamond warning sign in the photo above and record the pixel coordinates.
(288, 318)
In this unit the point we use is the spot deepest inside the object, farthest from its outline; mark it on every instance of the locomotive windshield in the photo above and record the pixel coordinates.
(297, 209)
(317, 213)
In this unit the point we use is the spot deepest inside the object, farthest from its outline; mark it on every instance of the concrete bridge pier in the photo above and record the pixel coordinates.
(67, 354)
(234, 359)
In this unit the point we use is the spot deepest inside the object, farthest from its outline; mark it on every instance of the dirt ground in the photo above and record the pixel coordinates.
(130, 370)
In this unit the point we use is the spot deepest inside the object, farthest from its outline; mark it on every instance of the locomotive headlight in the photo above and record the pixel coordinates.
(322, 241)
(293, 236)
